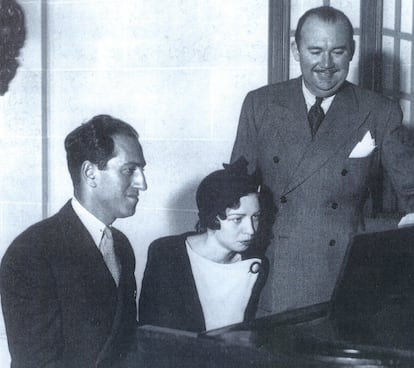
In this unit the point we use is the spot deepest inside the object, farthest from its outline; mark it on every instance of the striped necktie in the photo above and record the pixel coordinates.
(316, 115)
(106, 246)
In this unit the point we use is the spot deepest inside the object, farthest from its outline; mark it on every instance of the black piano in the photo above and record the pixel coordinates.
(369, 321)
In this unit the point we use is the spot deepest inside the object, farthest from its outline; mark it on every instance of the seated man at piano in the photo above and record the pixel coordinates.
(212, 277)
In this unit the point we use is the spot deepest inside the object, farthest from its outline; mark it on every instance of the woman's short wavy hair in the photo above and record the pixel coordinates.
(223, 189)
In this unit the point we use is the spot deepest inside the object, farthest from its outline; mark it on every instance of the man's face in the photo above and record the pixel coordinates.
(117, 186)
(238, 229)
(324, 53)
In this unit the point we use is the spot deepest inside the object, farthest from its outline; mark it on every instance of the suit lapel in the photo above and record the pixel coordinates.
(341, 121)
(85, 258)
(291, 112)
(288, 113)
(121, 297)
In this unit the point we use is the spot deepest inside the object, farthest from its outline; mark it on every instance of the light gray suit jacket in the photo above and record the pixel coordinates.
(320, 192)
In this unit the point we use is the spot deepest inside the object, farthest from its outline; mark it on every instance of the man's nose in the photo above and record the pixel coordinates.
(139, 180)
(327, 61)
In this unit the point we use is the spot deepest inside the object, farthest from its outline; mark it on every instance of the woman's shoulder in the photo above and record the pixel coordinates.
(253, 252)
(169, 243)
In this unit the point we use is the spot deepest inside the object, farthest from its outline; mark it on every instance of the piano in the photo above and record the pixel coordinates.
(369, 321)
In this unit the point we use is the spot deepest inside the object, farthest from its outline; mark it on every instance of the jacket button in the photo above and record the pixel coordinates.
(283, 199)
(276, 159)
(344, 172)
(334, 205)
(332, 242)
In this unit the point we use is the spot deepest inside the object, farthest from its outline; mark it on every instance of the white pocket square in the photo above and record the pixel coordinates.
(364, 147)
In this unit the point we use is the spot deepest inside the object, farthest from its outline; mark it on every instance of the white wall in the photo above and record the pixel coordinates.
(177, 70)
(20, 137)
(21, 145)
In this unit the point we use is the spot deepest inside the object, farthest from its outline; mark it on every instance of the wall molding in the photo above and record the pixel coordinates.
(279, 40)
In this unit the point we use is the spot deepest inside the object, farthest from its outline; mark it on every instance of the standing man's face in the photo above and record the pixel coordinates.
(324, 53)
(118, 185)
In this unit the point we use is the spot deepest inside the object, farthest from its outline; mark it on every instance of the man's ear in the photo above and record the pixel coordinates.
(352, 49)
(295, 50)
(88, 173)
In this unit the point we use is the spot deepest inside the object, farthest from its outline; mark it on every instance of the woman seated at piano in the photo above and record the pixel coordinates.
(212, 277)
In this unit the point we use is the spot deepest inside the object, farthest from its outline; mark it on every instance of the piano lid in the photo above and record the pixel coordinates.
(369, 320)
(373, 302)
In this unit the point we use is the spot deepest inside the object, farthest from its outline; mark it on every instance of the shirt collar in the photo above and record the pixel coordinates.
(310, 99)
(92, 224)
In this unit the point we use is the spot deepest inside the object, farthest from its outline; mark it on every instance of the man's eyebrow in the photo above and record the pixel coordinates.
(318, 48)
(135, 163)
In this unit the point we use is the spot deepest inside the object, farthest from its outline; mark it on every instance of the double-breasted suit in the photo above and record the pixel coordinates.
(319, 190)
(61, 305)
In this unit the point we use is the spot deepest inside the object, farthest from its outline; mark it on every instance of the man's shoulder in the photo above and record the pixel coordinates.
(169, 241)
(169, 244)
(274, 89)
(368, 96)
(41, 233)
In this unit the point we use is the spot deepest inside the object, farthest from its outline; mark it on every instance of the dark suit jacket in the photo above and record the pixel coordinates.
(320, 191)
(169, 295)
(60, 303)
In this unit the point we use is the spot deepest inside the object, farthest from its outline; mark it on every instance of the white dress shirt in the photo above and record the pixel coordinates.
(310, 99)
(94, 226)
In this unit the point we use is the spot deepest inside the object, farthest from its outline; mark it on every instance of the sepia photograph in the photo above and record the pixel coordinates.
(211, 184)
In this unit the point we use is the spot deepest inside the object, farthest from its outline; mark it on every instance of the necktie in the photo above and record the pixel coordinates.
(316, 115)
(106, 247)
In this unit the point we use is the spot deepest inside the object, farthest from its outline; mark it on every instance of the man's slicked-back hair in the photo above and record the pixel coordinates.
(93, 141)
(327, 14)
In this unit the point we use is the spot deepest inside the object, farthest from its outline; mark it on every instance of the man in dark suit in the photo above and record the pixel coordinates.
(68, 289)
(321, 144)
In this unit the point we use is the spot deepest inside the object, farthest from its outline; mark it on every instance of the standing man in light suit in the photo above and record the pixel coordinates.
(320, 143)
(67, 283)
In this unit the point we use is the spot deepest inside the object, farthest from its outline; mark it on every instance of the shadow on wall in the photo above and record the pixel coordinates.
(389, 81)
(183, 208)
(387, 74)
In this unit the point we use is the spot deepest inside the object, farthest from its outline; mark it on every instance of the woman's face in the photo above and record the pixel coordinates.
(238, 229)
